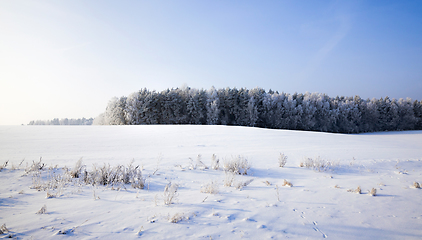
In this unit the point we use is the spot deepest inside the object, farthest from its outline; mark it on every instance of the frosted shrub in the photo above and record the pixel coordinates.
(238, 165)
(170, 193)
(120, 174)
(211, 187)
(35, 166)
(319, 164)
(282, 160)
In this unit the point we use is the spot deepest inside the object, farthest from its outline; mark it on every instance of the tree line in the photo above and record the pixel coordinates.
(63, 121)
(259, 108)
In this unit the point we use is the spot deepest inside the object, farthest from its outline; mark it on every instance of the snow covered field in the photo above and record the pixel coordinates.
(320, 204)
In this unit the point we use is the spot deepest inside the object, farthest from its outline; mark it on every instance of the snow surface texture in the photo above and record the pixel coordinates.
(319, 204)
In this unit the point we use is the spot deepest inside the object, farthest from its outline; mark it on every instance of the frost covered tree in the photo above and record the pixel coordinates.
(256, 107)
(213, 105)
(114, 114)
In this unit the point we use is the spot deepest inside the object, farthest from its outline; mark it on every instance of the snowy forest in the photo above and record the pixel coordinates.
(259, 108)
(63, 121)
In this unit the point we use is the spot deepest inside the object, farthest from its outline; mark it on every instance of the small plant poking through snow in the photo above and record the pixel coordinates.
(43, 210)
(287, 183)
(282, 160)
(416, 185)
(170, 193)
(211, 187)
(238, 165)
(3, 229)
(4, 165)
(373, 192)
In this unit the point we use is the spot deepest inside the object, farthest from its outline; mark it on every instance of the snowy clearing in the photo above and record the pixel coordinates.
(203, 200)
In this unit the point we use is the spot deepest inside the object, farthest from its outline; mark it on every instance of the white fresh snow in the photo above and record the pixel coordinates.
(312, 209)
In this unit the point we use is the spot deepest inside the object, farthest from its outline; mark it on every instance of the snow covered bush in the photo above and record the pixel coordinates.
(282, 160)
(237, 165)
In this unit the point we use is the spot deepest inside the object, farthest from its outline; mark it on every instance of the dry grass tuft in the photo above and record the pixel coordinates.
(267, 183)
(287, 183)
(373, 192)
(416, 185)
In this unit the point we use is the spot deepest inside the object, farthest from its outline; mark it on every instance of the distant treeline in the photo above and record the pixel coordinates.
(258, 108)
(63, 121)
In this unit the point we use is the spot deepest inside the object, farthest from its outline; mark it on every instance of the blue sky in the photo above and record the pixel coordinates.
(68, 58)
